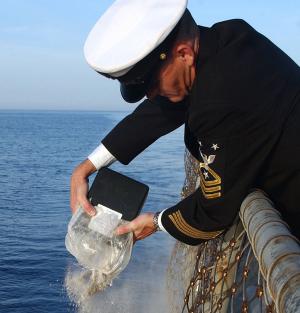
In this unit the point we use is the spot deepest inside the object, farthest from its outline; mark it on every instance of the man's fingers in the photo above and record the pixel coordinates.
(87, 206)
(81, 200)
(73, 202)
(79, 190)
(145, 234)
(124, 229)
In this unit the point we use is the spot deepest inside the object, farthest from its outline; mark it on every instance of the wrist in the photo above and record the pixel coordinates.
(84, 169)
(155, 221)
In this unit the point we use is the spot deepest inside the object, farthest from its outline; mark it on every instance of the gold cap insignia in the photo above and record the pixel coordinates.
(162, 56)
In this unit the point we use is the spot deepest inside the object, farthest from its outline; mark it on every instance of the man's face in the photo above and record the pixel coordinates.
(173, 79)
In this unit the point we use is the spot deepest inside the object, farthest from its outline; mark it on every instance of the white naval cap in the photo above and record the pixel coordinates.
(128, 32)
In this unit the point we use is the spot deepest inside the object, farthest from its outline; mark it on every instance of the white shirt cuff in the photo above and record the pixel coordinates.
(101, 157)
(159, 221)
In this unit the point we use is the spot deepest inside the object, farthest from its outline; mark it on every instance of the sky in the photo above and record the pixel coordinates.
(41, 48)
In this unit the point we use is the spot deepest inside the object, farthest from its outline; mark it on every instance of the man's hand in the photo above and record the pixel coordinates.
(79, 187)
(142, 227)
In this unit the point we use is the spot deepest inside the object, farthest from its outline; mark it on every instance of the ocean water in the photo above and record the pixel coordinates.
(38, 153)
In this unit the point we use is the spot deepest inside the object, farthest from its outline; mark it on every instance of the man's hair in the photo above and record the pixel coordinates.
(188, 30)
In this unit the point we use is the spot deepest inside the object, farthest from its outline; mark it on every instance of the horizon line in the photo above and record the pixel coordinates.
(63, 110)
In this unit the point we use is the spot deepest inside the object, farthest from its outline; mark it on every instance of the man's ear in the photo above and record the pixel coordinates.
(186, 54)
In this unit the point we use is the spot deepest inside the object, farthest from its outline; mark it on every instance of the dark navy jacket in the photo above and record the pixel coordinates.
(242, 121)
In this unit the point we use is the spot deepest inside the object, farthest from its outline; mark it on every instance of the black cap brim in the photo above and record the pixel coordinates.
(133, 92)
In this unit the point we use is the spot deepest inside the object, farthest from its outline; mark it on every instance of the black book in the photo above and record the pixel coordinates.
(118, 192)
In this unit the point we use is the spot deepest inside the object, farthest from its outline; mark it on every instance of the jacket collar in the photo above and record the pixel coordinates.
(208, 44)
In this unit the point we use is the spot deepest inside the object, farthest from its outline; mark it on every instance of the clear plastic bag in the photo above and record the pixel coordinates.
(105, 256)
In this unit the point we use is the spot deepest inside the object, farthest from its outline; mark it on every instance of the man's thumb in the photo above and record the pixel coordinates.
(123, 229)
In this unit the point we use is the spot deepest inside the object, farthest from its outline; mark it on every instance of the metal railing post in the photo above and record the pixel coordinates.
(276, 250)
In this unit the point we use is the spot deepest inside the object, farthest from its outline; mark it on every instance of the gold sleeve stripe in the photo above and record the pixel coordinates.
(209, 189)
(206, 190)
(212, 195)
(217, 179)
(180, 223)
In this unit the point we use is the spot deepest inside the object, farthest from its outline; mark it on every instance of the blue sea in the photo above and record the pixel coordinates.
(39, 150)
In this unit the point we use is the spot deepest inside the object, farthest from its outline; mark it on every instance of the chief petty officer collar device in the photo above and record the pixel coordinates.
(131, 40)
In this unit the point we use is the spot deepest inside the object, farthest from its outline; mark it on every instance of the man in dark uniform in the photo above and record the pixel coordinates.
(238, 96)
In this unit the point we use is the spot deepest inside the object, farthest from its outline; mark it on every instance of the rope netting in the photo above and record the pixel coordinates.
(222, 274)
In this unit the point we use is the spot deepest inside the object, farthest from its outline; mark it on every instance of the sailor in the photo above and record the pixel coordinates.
(237, 94)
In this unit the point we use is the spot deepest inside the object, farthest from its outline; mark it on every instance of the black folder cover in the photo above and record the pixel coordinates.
(118, 192)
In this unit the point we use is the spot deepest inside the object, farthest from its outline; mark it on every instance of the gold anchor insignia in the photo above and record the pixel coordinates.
(210, 188)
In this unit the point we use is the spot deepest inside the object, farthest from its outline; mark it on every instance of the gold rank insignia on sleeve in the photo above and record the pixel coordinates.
(185, 228)
(210, 181)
